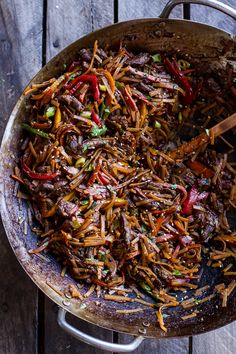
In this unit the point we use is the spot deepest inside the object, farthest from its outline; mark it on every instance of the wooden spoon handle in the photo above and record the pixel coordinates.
(190, 147)
(184, 150)
(224, 125)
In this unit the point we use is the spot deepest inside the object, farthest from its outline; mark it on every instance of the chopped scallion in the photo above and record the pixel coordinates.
(86, 114)
(157, 125)
(156, 58)
(176, 272)
(102, 88)
(98, 131)
(50, 111)
(84, 202)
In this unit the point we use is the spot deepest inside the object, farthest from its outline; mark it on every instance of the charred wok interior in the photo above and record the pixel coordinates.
(115, 203)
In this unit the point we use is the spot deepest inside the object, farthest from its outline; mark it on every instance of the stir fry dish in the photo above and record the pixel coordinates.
(124, 199)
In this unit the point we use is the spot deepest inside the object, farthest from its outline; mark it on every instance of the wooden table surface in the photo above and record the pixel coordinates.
(31, 33)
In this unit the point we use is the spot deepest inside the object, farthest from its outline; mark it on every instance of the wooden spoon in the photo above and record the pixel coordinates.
(190, 147)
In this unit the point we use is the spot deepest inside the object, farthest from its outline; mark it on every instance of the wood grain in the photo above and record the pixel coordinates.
(130, 9)
(221, 341)
(163, 346)
(213, 17)
(20, 50)
(66, 22)
(57, 341)
(70, 20)
(20, 59)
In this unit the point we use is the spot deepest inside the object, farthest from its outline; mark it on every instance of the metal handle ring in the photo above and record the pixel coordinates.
(97, 343)
(215, 4)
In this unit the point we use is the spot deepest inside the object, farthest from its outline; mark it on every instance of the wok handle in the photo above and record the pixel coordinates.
(215, 4)
(97, 343)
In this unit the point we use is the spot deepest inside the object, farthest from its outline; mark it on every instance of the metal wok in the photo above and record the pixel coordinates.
(160, 34)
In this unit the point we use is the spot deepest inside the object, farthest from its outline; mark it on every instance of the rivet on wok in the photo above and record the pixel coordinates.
(66, 302)
(142, 330)
(146, 323)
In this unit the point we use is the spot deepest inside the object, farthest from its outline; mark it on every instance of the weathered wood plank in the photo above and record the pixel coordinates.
(66, 22)
(213, 17)
(130, 9)
(20, 59)
(20, 50)
(220, 341)
(163, 346)
(57, 341)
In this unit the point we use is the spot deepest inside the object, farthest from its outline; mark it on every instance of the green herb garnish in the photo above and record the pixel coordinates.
(157, 125)
(156, 58)
(98, 131)
(35, 131)
(119, 85)
(85, 147)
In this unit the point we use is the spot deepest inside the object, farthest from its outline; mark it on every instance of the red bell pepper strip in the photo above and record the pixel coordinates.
(87, 78)
(173, 69)
(190, 201)
(103, 179)
(129, 100)
(75, 88)
(94, 175)
(35, 175)
(96, 118)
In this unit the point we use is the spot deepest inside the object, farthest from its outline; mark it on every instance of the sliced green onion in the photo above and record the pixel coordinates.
(119, 85)
(180, 117)
(85, 147)
(101, 109)
(156, 58)
(157, 125)
(149, 98)
(102, 87)
(184, 64)
(84, 202)
(72, 77)
(102, 257)
(86, 114)
(80, 162)
(106, 113)
(98, 131)
(145, 286)
(176, 272)
(75, 224)
(50, 111)
(35, 131)
(89, 168)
